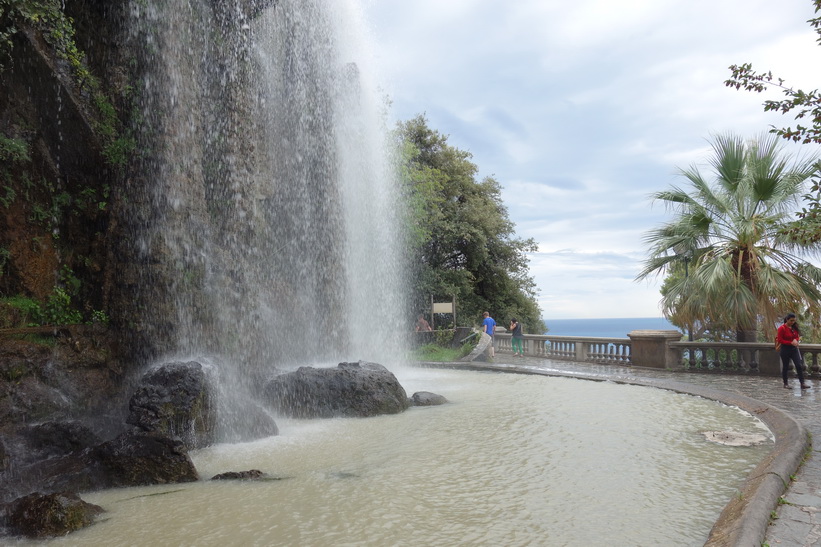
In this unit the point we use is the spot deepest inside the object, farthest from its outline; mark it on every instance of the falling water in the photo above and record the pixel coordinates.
(269, 225)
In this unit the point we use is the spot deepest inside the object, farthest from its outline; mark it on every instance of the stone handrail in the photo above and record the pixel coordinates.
(661, 349)
(583, 349)
(740, 357)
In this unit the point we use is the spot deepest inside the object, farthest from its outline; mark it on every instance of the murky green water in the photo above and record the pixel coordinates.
(512, 460)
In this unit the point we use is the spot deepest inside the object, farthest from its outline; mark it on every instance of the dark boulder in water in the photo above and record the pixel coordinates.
(49, 515)
(251, 474)
(132, 459)
(141, 459)
(351, 389)
(173, 399)
(426, 398)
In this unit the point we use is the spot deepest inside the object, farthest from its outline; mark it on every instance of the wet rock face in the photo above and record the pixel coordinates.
(25, 447)
(4, 457)
(247, 8)
(174, 400)
(352, 389)
(51, 439)
(74, 379)
(49, 515)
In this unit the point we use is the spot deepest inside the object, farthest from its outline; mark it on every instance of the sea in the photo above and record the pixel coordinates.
(605, 328)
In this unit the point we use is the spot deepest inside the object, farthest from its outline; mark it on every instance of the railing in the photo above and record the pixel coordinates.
(741, 357)
(663, 349)
(812, 358)
(582, 349)
(720, 356)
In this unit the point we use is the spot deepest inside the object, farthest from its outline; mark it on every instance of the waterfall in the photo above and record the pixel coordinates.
(264, 205)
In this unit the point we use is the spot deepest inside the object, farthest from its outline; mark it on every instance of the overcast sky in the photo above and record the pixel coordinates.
(581, 109)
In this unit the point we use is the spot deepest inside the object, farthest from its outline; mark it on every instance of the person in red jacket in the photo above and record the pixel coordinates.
(789, 335)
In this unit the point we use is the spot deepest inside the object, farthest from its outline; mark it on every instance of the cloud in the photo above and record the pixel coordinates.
(582, 109)
(584, 284)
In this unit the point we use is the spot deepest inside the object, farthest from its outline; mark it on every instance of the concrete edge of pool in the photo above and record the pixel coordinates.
(744, 520)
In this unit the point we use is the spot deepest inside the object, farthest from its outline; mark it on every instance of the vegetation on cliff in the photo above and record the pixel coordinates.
(55, 178)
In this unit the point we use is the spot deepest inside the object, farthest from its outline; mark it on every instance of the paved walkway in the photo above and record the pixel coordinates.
(799, 519)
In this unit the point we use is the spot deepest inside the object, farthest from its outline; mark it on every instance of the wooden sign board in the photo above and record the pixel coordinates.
(443, 307)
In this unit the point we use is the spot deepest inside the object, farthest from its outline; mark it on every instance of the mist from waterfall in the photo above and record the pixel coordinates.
(270, 222)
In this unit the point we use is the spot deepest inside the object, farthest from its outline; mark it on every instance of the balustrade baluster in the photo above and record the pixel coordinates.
(810, 362)
(724, 359)
(743, 358)
(754, 361)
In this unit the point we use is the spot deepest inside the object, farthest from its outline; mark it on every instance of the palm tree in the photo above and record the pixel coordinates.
(744, 266)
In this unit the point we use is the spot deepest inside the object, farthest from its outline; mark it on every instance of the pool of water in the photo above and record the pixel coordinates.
(511, 460)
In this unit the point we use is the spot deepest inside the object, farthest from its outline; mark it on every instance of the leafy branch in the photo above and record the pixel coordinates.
(803, 104)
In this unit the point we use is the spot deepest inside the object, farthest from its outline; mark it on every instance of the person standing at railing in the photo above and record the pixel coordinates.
(789, 336)
(422, 325)
(489, 327)
(424, 332)
(516, 337)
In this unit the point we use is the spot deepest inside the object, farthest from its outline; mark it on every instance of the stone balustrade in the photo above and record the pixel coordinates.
(608, 351)
(662, 349)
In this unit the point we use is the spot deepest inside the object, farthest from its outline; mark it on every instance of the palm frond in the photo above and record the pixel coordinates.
(733, 229)
(729, 161)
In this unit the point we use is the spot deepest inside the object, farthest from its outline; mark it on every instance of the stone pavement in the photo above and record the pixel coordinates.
(798, 521)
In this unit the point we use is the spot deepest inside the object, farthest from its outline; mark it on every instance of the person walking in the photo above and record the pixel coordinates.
(516, 338)
(489, 327)
(789, 336)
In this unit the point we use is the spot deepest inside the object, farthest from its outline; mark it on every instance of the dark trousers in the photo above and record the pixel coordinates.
(789, 352)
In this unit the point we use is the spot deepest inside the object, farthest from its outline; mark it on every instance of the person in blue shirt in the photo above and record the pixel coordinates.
(488, 327)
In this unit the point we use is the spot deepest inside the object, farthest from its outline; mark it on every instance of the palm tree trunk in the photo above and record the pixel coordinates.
(745, 332)
(746, 335)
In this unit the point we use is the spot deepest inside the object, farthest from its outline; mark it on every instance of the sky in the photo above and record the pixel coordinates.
(582, 109)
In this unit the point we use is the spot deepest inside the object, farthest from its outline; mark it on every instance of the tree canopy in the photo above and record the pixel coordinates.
(805, 106)
(462, 242)
(745, 269)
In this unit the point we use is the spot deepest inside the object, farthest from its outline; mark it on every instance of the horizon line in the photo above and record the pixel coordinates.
(594, 318)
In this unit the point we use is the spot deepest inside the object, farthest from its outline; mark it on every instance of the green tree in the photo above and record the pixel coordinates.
(463, 242)
(705, 328)
(744, 268)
